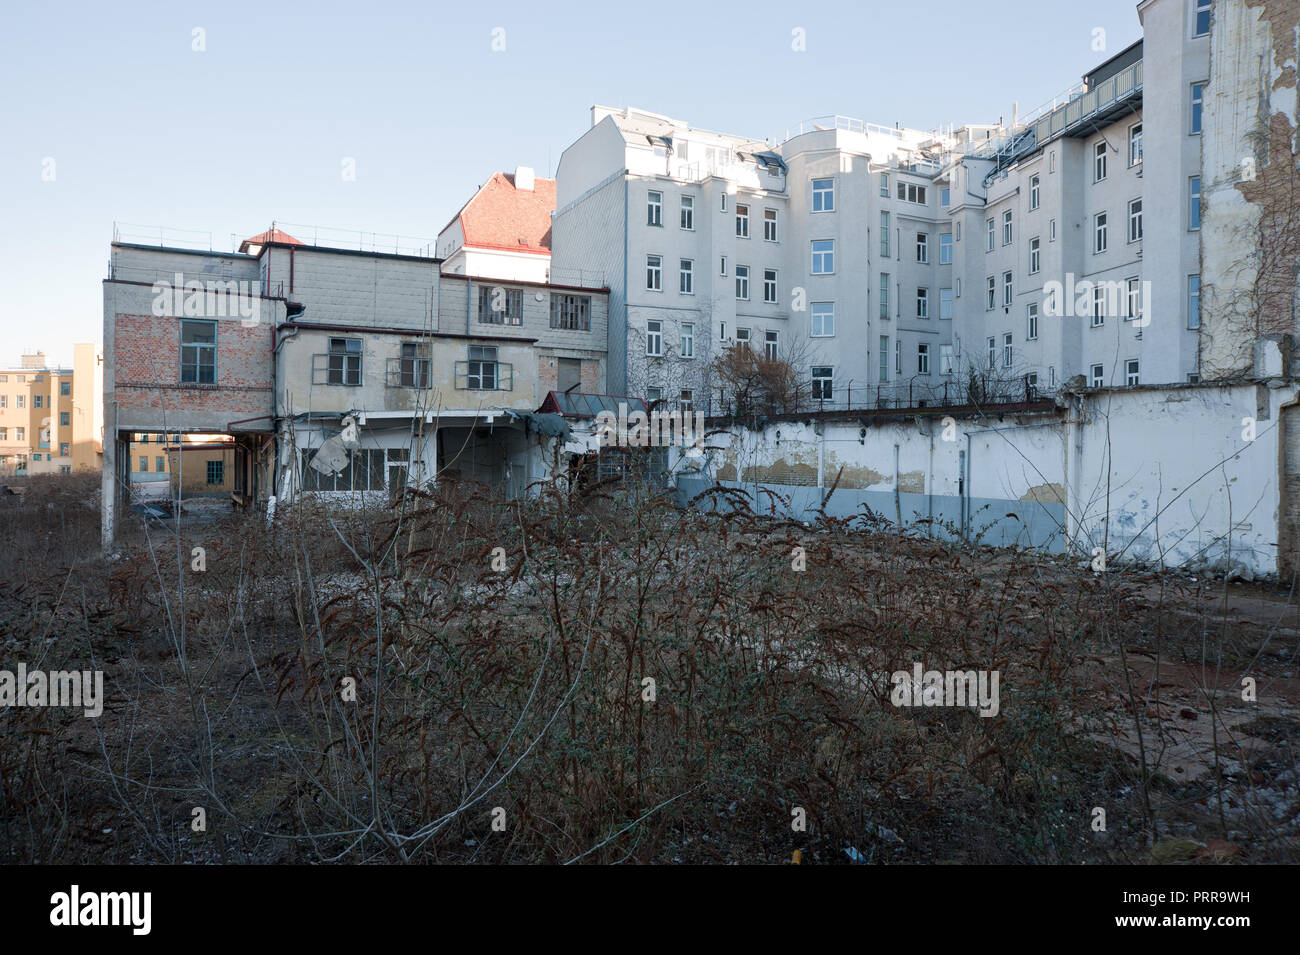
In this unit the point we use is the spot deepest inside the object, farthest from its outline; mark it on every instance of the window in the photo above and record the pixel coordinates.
(1035, 255)
(945, 197)
(1133, 299)
(823, 319)
(742, 337)
(414, 365)
(344, 361)
(1131, 372)
(1006, 227)
(769, 286)
(1198, 105)
(993, 231)
(159, 462)
(1193, 203)
(945, 303)
(686, 277)
(884, 185)
(1135, 144)
(65, 469)
(571, 312)
(884, 357)
(742, 282)
(1099, 233)
(1193, 301)
(20, 434)
(654, 208)
(958, 231)
(722, 331)
(770, 342)
(654, 338)
(945, 359)
(993, 353)
(363, 472)
(722, 265)
(686, 400)
(1031, 322)
(4, 401)
(1051, 376)
(65, 388)
(911, 192)
(823, 195)
(482, 371)
(1135, 220)
(1098, 305)
(923, 303)
(1202, 12)
(21, 401)
(1006, 290)
(923, 359)
(945, 248)
(144, 463)
(1008, 352)
(1035, 191)
(198, 352)
(38, 401)
(1031, 384)
(742, 221)
(1099, 161)
(991, 289)
(4, 434)
(653, 273)
(884, 235)
(216, 472)
(687, 215)
(898, 356)
(500, 306)
(65, 418)
(922, 247)
(884, 295)
(1051, 230)
(688, 339)
(823, 383)
(769, 225)
(823, 256)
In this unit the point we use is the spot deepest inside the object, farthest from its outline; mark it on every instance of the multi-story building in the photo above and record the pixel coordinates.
(391, 370)
(897, 266)
(51, 418)
(503, 231)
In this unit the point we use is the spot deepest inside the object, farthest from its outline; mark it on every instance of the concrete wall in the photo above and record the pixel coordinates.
(1163, 475)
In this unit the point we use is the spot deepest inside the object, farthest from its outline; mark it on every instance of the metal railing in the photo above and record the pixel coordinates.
(920, 391)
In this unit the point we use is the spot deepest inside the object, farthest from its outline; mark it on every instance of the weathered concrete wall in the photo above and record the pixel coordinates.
(1173, 476)
(1250, 236)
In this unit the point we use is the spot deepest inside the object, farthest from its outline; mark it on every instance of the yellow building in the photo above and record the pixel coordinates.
(205, 468)
(51, 419)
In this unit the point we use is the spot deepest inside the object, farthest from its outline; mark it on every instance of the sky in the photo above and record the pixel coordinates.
(220, 118)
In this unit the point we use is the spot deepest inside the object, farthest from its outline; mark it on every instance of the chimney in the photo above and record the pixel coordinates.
(524, 178)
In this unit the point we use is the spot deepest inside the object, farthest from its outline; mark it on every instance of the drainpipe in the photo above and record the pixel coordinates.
(965, 501)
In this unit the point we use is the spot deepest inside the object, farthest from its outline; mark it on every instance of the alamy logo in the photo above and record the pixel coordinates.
(659, 429)
(921, 687)
(102, 908)
(1088, 299)
(211, 299)
(75, 688)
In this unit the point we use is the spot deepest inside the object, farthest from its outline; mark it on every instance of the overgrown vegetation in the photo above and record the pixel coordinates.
(520, 695)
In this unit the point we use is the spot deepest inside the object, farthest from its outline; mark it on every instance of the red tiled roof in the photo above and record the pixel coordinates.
(509, 219)
(271, 235)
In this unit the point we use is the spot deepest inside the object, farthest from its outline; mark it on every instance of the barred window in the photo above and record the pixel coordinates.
(571, 312)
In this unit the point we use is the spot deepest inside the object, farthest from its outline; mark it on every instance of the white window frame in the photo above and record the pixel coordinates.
(1008, 227)
(742, 283)
(1194, 301)
(686, 276)
(991, 293)
(1132, 372)
(654, 338)
(1008, 350)
(1097, 376)
(771, 232)
(1035, 255)
(922, 302)
(654, 208)
(770, 284)
(821, 255)
(823, 195)
(742, 220)
(945, 304)
(822, 315)
(688, 339)
(654, 273)
(1196, 107)
(1008, 289)
(1099, 162)
(923, 248)
(1100, 233)
(1035, 191)
(945, 248)
(992, 226)
(686, 214)
(1194, 207)
(1031, 322)
(1135, 145)
(922, 358)
(1135, 220)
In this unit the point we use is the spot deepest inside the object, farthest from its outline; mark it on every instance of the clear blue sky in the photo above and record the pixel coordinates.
(143, 129)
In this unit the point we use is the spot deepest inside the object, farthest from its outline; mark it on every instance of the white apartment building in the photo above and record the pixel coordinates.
(894, 266)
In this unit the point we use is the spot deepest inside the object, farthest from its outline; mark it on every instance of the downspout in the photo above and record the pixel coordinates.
(898, 503)
(965, 501)
(627, 322)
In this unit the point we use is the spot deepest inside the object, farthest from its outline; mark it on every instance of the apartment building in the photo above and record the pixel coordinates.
(333, 369)
(894, 266)
(50, 417)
